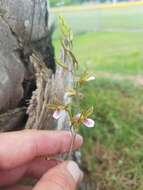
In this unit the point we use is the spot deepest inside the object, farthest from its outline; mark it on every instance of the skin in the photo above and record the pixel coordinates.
(21, 155)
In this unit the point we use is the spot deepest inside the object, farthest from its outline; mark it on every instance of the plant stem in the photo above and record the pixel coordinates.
(72, 143)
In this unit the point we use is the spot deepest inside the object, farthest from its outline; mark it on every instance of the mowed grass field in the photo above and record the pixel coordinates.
(113, 150)
(112, 19)
(115, 52)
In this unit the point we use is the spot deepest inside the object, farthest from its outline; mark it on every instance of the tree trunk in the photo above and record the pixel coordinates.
(29, 79)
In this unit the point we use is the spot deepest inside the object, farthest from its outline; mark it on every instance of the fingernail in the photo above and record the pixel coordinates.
(79, 139)
(74, 170)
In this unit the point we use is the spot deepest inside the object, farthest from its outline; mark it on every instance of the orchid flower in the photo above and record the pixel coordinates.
(85, 77)
(89, 122)
(58, 109)
(86, 121)
(90, 78)
(57, 114)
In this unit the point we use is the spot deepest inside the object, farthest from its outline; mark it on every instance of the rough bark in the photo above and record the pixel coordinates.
(23, 28)
(27, 18)
(11, 69)
(25, 45)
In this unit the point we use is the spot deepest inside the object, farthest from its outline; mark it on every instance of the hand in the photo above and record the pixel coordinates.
(20, 156)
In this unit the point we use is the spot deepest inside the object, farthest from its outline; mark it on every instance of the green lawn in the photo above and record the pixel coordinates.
(111, 52)
(113, 150)
(117, 19)
(115, 52)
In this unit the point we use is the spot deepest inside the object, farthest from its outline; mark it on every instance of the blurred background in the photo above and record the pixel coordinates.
(109, 42)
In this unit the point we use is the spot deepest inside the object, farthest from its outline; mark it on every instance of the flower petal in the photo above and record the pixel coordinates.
(90, 78)
(57, 114)
(89, 122)
(78, 115)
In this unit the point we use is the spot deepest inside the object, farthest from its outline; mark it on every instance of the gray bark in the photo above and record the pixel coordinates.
(23, 27)
(11, 69)
(27, 18)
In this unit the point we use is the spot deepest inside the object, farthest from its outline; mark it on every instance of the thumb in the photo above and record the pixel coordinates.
(65, 176)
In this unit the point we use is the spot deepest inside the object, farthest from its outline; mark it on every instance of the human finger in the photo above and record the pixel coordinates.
(28, 144)
(64, 176)
(35, 168)
(18, 187)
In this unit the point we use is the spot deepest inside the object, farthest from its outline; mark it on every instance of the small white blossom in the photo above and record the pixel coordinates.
(90, 78)
(57, 114)
(89, 123)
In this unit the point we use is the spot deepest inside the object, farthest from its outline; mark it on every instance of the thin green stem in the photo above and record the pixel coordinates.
(72, 143)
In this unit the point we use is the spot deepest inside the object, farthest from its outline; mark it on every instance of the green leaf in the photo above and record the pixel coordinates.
(89, 112)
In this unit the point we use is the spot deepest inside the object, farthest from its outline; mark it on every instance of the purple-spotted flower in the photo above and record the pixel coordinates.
(59, 109)
(81, 119)
(78, 119)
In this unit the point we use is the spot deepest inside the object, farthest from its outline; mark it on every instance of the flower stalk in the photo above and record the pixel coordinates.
(76, 116)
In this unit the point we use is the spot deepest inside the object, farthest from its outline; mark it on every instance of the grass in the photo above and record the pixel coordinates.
(113, 150)
(115, 52)
(117, 19)
(111, 52)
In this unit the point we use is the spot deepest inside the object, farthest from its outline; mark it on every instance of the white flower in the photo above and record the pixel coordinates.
(87, 122)
(57, 114)
(90, 78)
